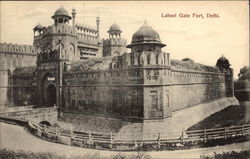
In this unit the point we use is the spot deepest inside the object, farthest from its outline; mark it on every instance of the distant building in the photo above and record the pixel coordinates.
(115, 45)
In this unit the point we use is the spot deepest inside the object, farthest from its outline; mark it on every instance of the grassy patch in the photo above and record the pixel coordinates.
(9, 154)
(232, 115)
(229, 155)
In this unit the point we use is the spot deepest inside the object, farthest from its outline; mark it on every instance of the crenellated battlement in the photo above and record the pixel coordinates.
(48, 56)
(15, 48)
(86, 28)
(114, 41)
(56, 29)
(145, 58)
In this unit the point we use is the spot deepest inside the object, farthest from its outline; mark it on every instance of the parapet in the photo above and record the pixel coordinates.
(57, 29)
(114, 41)
(48, 56)
(15, 48)
(86, 28)
(92, 64)
(190, 65)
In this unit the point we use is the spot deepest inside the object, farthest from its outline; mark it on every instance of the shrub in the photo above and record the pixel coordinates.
(229, 155)
(9, 154)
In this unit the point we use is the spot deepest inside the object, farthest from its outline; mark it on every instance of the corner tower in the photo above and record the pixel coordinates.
(146, 56)
(115, 45)
(224, 67)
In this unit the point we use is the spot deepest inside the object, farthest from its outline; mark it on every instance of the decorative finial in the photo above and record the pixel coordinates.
(97, 17)
(145, 23)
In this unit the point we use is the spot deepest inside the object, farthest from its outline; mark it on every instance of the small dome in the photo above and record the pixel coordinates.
(222, 61)
(38, 26)
(114, 27)
(61, 12)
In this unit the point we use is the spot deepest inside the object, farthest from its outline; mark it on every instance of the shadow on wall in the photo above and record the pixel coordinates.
(242, 90)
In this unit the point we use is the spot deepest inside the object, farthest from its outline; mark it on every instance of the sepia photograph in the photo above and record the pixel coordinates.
(124, 80)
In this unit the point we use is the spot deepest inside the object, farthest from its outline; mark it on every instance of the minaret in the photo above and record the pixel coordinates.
(73, 17)
(97, 27)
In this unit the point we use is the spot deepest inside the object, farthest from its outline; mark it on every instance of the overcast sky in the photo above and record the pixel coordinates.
(202, 39)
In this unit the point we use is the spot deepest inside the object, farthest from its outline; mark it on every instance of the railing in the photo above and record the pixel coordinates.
(98, 140)
(219, 132)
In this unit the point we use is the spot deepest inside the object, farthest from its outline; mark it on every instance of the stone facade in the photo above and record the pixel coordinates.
(13, 56)
(139, 91)
(139, 86)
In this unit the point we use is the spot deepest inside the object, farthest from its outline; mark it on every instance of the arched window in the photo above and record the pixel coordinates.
(60, 20)
(116, 53)
(148, 59)
(72, 48)
(157, 59)
(139, 59)
(139, 51)
(132, 59)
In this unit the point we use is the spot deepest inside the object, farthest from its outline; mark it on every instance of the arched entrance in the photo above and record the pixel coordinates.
(45, 123)
(51, 95)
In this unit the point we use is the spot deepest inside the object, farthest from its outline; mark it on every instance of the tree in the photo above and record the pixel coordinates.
(244, 73)
(188, 59)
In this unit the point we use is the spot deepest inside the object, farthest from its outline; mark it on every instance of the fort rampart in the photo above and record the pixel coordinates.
(11, 57)
(137, 90)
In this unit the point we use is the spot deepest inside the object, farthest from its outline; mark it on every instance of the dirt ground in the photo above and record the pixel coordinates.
(232, 115)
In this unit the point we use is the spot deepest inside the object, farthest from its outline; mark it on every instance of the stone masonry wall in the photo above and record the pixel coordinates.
(167, 90)
(11, 57)
(113, 100)
(128, 92)
(3, 88)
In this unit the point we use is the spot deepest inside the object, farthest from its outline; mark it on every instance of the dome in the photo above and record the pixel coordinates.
(114, 27)
(38, 26)
(222, 61)
(146, 34)
(61, 12)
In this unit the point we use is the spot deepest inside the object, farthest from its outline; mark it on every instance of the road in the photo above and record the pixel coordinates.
(18, 138)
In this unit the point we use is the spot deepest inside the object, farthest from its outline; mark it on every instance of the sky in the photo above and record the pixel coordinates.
(202, 39)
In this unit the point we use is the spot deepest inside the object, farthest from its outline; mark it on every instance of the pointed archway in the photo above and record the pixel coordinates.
(51, 95)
